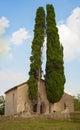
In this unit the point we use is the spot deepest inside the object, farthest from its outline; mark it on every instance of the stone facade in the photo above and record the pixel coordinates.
(11, 102)
(17, 101)
(65, 104)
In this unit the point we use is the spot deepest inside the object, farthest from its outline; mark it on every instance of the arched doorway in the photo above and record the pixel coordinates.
(35, 108)
(42, 108)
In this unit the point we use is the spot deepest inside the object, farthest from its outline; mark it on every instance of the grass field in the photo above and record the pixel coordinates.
(39, 125)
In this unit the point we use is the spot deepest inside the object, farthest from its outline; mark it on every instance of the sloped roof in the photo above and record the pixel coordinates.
(15, 87)
(18, 86)
(26, 83)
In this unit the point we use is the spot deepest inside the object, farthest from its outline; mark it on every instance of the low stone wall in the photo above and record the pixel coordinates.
(54, 116)
(75, 115)
(60, 116)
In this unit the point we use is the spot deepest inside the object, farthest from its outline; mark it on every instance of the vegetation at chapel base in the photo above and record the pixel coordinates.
(54, 77)
(37, 43)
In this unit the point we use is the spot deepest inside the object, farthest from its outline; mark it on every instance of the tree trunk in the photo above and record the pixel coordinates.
(50, 108)
(39, 97)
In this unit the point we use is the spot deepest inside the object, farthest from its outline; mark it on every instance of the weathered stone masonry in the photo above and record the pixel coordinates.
(17, 101)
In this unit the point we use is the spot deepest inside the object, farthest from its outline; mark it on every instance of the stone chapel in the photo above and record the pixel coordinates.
(17, 101)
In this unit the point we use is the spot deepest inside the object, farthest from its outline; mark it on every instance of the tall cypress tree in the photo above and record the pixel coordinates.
(54, 78)
(37, 43)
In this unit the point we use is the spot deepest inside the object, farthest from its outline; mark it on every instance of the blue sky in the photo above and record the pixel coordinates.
(17, 18)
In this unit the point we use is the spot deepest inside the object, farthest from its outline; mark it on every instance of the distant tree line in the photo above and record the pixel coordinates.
(2, 105)
(77, 103)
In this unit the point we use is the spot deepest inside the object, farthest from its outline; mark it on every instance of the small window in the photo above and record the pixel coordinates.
(64, 106)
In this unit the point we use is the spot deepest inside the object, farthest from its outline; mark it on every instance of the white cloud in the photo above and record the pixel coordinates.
(4, 23)
(9, 78)
(4, 46)
(20, 36)
(44, 44)
(5, 50)
(10, 56)
(70, 35)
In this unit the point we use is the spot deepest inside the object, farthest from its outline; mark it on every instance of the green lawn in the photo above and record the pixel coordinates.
(39, 125)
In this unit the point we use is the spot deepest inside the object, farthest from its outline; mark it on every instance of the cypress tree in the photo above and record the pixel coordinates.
(54, 78)
(37, 43)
